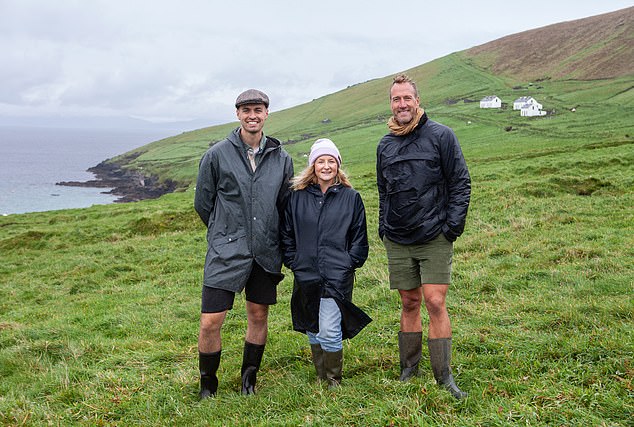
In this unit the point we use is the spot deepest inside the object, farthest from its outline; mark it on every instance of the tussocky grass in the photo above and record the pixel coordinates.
(100, 314)
(99, 307)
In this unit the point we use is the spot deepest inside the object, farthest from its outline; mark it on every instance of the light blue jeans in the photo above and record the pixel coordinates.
(329, 335)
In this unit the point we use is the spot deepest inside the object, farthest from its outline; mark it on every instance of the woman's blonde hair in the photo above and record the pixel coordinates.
(308, 176)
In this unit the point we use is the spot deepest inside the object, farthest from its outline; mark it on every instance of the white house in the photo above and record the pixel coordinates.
(490, 102)
(520, 102)
(530, 110)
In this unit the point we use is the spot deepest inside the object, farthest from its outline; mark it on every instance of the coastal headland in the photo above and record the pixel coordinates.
(128, 185)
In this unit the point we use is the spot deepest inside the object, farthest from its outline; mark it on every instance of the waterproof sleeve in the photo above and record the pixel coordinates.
(205, 196)
(285, 190)
(287, 237)
(458, 186)
(358, 234)
(380, 184)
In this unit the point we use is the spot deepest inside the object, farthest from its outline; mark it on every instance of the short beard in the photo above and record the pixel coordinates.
(404, 123)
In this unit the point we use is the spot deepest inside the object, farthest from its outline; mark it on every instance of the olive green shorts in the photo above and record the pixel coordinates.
(413, 265)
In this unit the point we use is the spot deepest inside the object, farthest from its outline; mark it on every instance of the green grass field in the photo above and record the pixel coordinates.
(99, 307)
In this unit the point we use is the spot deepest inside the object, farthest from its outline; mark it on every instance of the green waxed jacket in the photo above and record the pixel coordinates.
(242, 210)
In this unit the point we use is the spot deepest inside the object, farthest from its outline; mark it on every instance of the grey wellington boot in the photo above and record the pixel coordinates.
(440, 358)
(318, 361)
(410, 351)
(251, 360)
(333, 367)
(208, 364)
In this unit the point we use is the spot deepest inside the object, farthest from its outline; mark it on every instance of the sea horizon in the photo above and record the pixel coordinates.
(34, 159)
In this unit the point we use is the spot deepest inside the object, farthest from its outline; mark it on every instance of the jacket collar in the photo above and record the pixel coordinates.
(422, 120)
(316, 189)
(271, 143)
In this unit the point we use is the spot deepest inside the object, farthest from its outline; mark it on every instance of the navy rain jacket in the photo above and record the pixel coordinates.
(324, 239)
(424, 185)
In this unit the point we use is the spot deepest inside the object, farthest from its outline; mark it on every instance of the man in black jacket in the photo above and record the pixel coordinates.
(424, 191)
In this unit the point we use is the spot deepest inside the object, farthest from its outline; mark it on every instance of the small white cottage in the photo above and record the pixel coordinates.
(490, 102)
(530, 110)
(520, 102)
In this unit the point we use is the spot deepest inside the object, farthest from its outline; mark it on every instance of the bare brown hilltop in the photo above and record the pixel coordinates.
(598, 47)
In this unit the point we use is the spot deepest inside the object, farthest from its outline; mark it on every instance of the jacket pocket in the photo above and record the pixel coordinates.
(220, 241)
(351, 263)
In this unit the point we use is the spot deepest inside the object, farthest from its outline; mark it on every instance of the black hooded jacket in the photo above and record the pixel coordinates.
(424, 185)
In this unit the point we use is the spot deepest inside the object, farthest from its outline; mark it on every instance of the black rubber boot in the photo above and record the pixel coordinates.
(410, 348)
(333, 367)
(208, 364)
(251, 360)
(440, 358)
(318, 361)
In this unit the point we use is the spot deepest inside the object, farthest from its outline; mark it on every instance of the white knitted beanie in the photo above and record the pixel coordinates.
(323, 147)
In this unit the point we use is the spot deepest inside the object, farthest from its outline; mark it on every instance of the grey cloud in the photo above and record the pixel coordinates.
(166, 60)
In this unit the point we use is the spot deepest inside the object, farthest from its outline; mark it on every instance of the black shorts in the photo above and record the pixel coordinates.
(261, 288)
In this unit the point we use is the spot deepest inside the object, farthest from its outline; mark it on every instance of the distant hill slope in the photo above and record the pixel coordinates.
(598, 47)
(567, 58)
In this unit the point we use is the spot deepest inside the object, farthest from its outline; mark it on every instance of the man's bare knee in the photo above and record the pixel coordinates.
(411, 300)
(257, 313)
(435, 304)
(211, 323)
(435, 299)
(411, 305)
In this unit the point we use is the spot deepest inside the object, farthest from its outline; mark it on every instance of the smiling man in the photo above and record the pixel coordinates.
(424, 191)
(241, 192)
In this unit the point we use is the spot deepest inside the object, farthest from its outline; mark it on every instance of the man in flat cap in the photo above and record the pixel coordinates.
(241, 192)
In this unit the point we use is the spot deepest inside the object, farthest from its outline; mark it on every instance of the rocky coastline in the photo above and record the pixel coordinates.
(129, 186)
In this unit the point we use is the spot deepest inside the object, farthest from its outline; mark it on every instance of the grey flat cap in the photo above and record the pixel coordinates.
(252, 96)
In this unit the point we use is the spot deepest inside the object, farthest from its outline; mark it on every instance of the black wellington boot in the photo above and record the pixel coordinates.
(440, 358)
(251, 360)
(410, 348)
(333, 367)
(208, 364)
(318, 361)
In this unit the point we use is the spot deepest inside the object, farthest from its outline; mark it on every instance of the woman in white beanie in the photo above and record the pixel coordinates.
(324, 240)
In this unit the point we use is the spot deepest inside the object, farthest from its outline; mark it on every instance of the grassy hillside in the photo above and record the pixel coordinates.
(446, 85)
(580, 64)
(99, 307)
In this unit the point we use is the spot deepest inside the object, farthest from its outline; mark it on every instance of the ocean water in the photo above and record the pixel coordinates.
(32, 160)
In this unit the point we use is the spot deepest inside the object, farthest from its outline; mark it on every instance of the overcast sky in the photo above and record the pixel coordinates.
(188, 59)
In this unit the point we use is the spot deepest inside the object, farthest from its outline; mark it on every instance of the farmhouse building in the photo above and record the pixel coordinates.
(490, 102)
(520, 102)
(530, 110)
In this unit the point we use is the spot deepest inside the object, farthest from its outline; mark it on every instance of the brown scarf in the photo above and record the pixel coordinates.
(399, 130)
